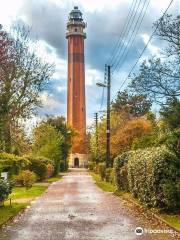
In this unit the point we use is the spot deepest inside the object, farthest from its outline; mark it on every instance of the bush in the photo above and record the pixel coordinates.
(121, 172)
(152, 175)
(62, 166)
(12, 164)
(109, 175)
(172, 141)
(102, 170)
(25, 179)
(39, 167)
(50, 170)
(5, 190)
(91, 166)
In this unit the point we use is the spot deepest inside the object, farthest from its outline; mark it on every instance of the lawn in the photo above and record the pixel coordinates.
(7, 212)
(22, 192)
(173, 220)
(105, 186)
(20, 198)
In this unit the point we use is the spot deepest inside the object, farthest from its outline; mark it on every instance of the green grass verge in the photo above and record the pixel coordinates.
(19, 194)
(173, 220)
(105, 186)
(7, 212)
(22, 192)
(53, 179)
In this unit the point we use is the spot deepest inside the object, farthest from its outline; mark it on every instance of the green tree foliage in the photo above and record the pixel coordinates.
(67, 132)
(160, 79)
(5, 190)
(170, 113)
(23, 75)
(47, 142)
(135, 105)
(12, 163)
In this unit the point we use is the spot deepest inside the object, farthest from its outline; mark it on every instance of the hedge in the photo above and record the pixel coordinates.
(151, 175)
(12, 163)
(39, 166)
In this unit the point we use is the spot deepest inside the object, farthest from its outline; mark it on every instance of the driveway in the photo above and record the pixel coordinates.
(74, 208)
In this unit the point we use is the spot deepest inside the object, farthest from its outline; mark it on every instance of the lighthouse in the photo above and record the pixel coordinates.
(76, 105)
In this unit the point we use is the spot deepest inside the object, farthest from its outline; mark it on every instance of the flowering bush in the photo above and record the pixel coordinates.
(151, 175)
(25, 178)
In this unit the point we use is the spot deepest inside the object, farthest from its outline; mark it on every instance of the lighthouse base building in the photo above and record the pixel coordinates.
(76, 104)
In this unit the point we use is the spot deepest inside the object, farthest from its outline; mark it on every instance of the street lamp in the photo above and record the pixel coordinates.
(108, 86)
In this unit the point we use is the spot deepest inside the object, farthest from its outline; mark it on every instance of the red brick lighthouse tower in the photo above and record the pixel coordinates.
(76, 107)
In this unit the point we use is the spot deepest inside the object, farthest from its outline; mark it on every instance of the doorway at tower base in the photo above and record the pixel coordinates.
(77, 160)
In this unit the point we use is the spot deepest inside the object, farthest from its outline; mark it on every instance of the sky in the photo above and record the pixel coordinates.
(105, 20)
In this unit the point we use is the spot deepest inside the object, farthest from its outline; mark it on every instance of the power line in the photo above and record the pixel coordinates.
(135, 30)
(127, 21)
(145, 47)
(126, 33)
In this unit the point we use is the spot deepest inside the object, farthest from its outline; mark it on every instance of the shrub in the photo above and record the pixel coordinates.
(12, 163)
(91, 166)
(5, 190)
(50, 170)
(121, 172)
(39, 167)
(102, 170)
(109, 175)
(25, 179)
(153, 176)
(62, 166)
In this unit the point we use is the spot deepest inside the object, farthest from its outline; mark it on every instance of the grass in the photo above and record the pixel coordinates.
(22, 192)
(20, 198)
(7, 212)
(105, 186)
(173, 220)
(53, 179)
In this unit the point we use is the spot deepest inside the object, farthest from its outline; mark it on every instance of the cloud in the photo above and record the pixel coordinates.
(105, 21)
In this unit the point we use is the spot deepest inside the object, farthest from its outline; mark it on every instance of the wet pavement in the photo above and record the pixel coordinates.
(74, 208)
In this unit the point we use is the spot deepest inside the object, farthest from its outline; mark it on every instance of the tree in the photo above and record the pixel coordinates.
(159, 78)
(135, 105)
(171, 113)
(47, 143)
(168, 29)
(124, 137)
(67, 132)
(23, 75)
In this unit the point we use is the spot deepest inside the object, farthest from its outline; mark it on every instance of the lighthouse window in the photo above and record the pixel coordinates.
(82, 109)
(75, 29)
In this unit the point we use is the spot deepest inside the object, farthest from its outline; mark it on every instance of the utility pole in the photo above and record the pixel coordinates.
(108, 116)
(97, 137)
(108, 86)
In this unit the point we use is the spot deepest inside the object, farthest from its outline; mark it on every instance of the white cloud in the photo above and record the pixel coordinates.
(93, 76)
(61, 88)
(152, 48)
(49, 101)
(9, 10)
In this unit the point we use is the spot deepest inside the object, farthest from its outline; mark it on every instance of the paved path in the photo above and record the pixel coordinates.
(74, 208)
